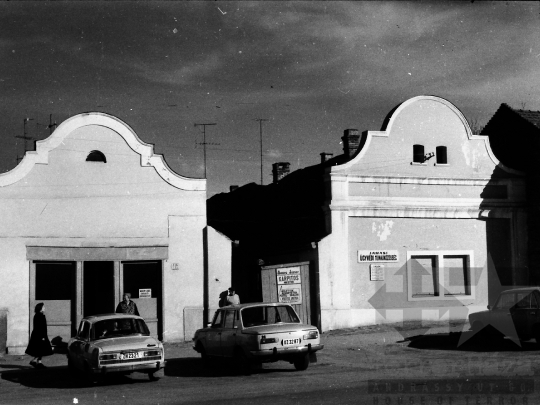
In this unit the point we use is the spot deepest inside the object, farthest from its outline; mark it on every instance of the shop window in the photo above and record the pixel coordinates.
(140, 276)
(424, 277)
(456, 275)
(439, 275)
(54, 280)
(96, 156)
(441, 155)
(418, 153)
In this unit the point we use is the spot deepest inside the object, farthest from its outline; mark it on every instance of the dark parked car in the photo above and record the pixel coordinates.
(516, 314)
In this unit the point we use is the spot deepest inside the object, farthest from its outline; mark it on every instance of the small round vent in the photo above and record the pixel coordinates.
(96, 156)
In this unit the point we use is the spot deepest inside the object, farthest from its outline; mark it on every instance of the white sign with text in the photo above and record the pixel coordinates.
(288, 275)
(145, 293)
(376, 272)
(381, 256)
(290, 293)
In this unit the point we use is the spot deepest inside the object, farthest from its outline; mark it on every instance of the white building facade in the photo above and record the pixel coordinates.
(93, 213)
(424, 223)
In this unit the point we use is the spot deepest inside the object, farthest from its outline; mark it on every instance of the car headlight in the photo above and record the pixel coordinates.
(152, 353)
(314, 334)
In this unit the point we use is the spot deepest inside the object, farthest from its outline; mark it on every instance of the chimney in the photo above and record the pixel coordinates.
(326, 156)
(280, 170)
(232, 188)
(351, 141)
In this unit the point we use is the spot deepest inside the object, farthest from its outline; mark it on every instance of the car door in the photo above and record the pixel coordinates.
(535, 312)
(521, 314)
(228, 333)
(77, 348)
(500, 316)
(213, 336)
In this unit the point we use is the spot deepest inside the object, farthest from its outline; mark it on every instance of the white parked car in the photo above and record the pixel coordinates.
(115, 343)
(258, 333)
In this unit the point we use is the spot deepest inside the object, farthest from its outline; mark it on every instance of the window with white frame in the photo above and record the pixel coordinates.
(439, 275)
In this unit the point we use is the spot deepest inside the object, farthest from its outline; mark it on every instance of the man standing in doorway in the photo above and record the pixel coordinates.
(126, 306)
(232, 298)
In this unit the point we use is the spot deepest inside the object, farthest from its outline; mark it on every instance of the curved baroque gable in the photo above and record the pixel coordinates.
(146, 151)
(396, 112)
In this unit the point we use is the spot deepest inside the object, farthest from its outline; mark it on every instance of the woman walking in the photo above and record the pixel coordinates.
(39, 345)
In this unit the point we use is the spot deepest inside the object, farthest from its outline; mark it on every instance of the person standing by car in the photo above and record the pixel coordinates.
(232, 298)
(126, 306)
(39, 345)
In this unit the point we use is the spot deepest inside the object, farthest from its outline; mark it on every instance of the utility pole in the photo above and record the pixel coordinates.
(261, 137)
(204, 143)
(25, 137)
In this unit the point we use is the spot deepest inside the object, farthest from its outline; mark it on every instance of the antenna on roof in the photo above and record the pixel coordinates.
(204, 143)
(25, 137)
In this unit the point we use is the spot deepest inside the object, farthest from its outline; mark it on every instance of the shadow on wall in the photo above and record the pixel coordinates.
(499, 238)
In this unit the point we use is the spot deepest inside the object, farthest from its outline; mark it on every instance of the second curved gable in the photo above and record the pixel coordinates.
(431, 122)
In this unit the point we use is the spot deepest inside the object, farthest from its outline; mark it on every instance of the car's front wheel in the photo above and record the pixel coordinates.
(155, 375)
(90, 376)
(536, 334)
(71, 367)
(301, 362)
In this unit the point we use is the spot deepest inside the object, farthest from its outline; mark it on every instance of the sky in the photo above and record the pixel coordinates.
(310, 70)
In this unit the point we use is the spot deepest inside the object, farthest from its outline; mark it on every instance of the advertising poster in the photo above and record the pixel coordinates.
(288, 275)
(289, 285)
(290, 293)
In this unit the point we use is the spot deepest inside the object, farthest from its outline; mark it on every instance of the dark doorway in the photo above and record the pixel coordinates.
(98, 288)
(142, 280)
(55, 286)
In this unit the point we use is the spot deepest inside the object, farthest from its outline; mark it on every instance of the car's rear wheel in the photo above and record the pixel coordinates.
(206, 360)
(301, 362)
(243, 364)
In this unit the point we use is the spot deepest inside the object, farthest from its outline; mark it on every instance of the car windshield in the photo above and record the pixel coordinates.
(505, 301)
(119, 327)
(267, 315)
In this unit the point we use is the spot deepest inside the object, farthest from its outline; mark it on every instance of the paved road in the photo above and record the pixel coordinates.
(377, 365)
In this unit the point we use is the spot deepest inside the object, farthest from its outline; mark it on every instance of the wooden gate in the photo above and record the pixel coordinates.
(289, 283)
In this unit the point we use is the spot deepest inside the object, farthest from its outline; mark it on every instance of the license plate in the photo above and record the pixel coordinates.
(286, 342)
(130, 355)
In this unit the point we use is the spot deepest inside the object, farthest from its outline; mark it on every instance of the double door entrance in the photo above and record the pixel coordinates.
(72, 290)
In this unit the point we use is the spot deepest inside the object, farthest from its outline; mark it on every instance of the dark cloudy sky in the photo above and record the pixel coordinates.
(312, 69)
